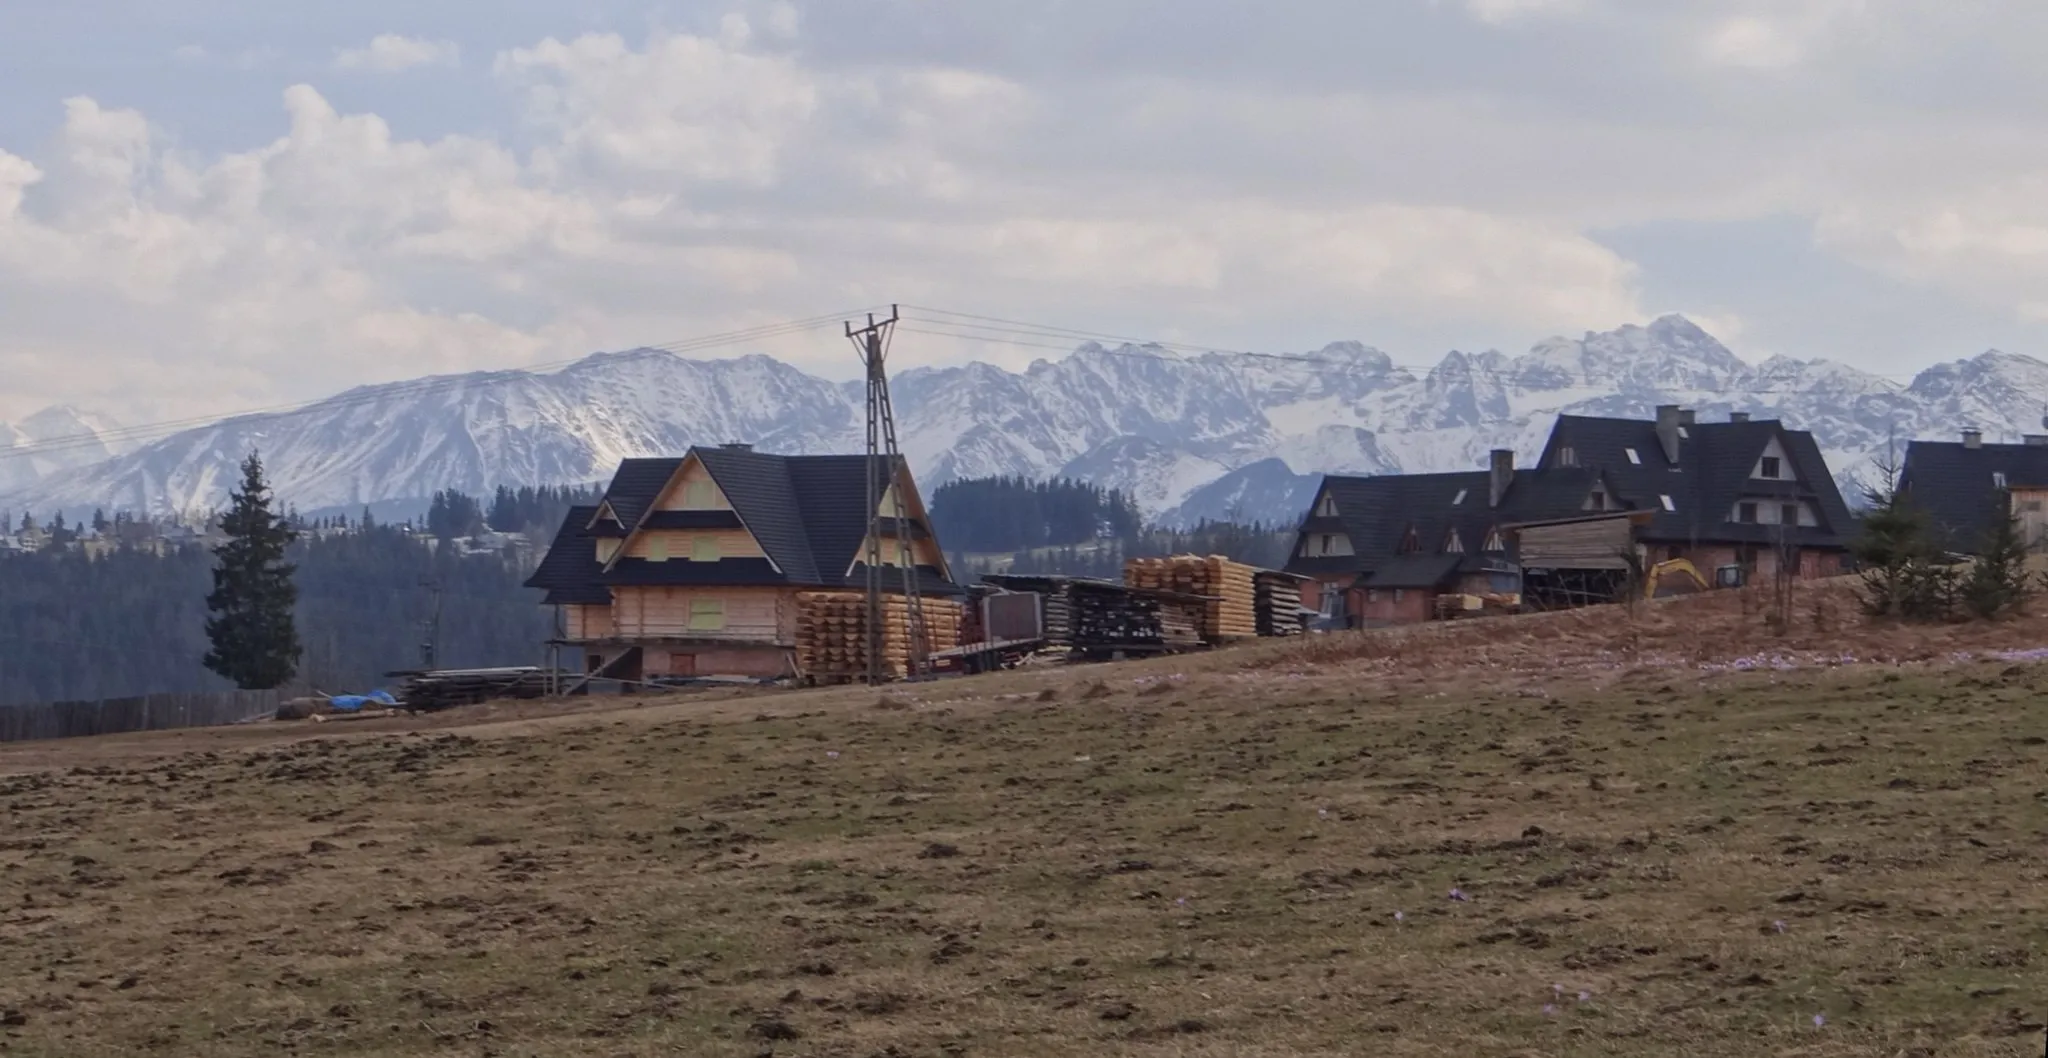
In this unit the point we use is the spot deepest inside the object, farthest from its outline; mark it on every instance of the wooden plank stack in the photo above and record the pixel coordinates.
(1278, 603)
(1231, 612)
(447, 688)
(832, 632)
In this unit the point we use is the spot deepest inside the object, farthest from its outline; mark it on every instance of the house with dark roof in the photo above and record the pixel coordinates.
(1737, 499)
(1963, 485)
(691, 565)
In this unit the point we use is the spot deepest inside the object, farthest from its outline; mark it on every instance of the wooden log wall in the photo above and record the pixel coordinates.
(1278, 603)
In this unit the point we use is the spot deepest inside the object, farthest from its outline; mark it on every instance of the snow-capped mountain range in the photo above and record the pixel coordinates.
(1190, 436)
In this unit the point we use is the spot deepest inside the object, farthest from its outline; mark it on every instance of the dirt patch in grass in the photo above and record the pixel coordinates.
(1280, 854)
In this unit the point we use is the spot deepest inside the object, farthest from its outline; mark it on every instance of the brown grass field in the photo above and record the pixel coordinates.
(1248, 853)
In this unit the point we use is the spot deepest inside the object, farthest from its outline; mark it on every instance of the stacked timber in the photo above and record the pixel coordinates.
(1231, 612)
(447, 688)
(1278, 602)
(832, 632)
(1100, 616)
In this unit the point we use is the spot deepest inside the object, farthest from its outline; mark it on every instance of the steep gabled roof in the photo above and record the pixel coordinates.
(1957, 487)
(570, 571)
(1712, 473)
(808, 514)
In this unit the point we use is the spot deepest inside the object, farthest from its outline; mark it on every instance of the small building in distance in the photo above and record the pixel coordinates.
(690, 566)
(1736, 500)
(1964, 485)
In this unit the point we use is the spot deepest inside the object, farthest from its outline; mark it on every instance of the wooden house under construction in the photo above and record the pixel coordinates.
(731, 562)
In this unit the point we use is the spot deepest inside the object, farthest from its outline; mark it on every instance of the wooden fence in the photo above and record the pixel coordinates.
(149, 712)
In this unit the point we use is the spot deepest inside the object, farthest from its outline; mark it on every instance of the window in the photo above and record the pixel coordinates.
(1399, 594)
(1372, 595)
(1788, 514)
(1668, 505)
(1327, 508)
(1597, 501)
(606, 549)
(1459, 498)
(1771, 467)
(704, 549)
(1494, 542)
(1453, 545)
(1566, 457)
(2031, 506)
(1745, 512)
(1411, 543)
(657, 548)
(1633, 457)
(1998, 479)
(700, 496)
(707, 615)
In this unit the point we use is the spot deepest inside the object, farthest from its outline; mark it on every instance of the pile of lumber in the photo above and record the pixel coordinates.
(1231, 612)
(1278, 602)
(832, 632)
(445, 688)
(1101, 616)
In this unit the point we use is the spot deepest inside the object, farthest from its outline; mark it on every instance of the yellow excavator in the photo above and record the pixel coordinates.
(1675, 576)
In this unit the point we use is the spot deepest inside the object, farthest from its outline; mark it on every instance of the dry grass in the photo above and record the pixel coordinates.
(1249, 855)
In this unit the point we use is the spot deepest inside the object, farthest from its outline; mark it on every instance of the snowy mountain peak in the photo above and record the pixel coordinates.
(1189, 435)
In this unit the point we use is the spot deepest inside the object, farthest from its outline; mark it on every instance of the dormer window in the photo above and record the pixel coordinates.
(1459, 498)
(1668, 505)
(1453, 545)
(1633, 457)
(1567, 457)
(1411, 542)
(1597, 501)
(1998, 479)
(1772, 467)
(1494, 542)
(1327, 508)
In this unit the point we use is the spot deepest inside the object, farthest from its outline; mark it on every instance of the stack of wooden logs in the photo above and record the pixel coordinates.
(1231, 612)
(446, 688)
(1279, 603)
(832, 632)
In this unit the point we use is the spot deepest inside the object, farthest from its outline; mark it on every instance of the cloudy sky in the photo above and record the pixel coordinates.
(210, 205)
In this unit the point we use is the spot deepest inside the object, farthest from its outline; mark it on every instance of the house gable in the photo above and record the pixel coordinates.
(667, 531)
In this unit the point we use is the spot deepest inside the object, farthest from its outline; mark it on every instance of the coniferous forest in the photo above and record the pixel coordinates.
(133, 621)
(1071, 528)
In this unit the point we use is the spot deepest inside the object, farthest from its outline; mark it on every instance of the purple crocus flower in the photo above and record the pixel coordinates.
(1585, 997)
(1399, 917)
(1820, 1020)
(1779, 925)
(1458, 895)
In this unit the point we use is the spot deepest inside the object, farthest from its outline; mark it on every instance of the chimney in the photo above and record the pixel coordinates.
(1738, 416)
(737, 446)
(1973, 438)
(1687, 417)
(1668, 420)
(2035, 440)
(1500, 469)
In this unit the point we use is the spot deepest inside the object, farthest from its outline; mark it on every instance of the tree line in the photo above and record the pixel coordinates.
(1077, 529)
(276, 604)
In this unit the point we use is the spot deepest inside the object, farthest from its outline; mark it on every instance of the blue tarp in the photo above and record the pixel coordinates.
(349, 703)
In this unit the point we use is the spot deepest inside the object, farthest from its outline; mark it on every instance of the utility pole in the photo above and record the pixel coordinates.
(885, 478)
(433, 625)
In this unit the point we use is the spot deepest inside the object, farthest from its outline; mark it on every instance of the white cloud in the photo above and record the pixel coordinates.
(1778, 34)
(1502, 11)
(683, 106)
(392, 52)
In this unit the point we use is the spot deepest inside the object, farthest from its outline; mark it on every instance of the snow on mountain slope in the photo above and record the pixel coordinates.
(1190, 436)
(66, 439)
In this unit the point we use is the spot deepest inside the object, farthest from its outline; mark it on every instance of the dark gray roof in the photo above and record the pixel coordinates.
(1712, 473)
(1955, 484)
(808, 513)
(1414, 571)
(569, 572)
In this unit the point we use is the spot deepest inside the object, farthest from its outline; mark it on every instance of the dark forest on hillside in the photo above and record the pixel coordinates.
(1076, 529)
(131, 622)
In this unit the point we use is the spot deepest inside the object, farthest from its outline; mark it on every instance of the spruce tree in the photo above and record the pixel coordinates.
(1998, 582)
(254, 640)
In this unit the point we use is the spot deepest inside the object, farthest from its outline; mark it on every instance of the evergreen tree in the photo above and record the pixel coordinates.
(1998, 583)
(99, 520)
(255, 642)
(1897, 549)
